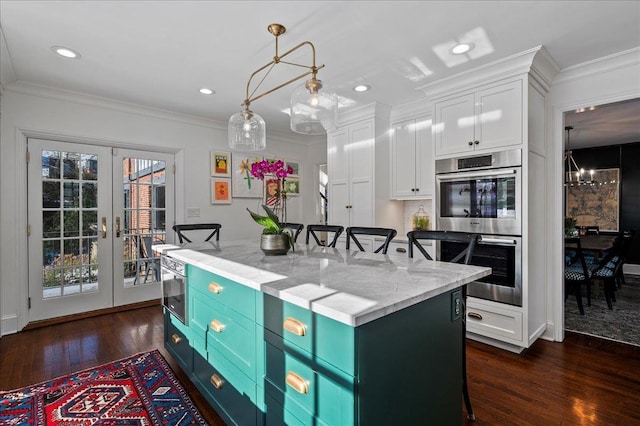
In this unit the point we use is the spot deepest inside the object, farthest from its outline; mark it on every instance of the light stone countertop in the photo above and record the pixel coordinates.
(352, 287)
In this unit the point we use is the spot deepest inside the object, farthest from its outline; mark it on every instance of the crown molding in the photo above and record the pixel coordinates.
(413, 109)
(43, 91)
(604, 64)
(511, 66)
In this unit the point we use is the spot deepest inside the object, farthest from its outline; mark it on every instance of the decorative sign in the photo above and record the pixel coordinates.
(220, 191)
(220, 163)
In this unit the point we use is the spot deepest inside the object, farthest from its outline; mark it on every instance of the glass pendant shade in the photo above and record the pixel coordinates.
(314, 108)
(247, 132)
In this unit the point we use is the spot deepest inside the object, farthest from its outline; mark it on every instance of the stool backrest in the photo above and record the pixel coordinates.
(465, 254)
(312, 230)
(388, 233)
(181, 229)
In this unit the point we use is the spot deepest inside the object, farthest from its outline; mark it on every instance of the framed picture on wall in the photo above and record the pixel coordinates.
(272, 191)
(220, 163)
(244, 185)
(597, 204)
(220, 191)
(295, 166)
(292, 186)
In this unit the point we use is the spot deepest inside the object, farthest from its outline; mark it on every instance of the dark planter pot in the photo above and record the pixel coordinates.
(274, 244)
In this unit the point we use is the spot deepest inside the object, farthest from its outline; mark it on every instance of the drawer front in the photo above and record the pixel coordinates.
(277, 415)
(494, 321)
(234, 394)
(223, 290)
(311, 332)
(304, 392)
(233, 335)
(177, 344)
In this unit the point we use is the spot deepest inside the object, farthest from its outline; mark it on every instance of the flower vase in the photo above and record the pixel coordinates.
(274, 244)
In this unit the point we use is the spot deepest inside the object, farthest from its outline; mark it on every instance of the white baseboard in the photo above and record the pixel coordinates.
(9, 325)
(630, 268)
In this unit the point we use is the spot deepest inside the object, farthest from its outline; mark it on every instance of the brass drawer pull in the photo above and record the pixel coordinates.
(297, 383)
(216, 381)
(475, 315)
(294, 326)
(217, 326)
(401, 250)
(215, 288)
(176, 339)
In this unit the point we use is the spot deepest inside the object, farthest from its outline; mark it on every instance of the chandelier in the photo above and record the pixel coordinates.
(313, 105)
(575, 175)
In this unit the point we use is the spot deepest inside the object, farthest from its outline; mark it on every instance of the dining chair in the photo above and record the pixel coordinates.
(296, 227)
(181, 229)
(576, 272)
(467, 243)
(607, 270)
(592, 230)
(627, 242)
(388, 233)
(312, 230)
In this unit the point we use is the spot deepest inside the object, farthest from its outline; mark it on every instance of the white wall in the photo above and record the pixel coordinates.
(28, 110)
(609, 79)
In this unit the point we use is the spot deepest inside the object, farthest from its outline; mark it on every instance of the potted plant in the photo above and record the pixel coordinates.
(275, 238)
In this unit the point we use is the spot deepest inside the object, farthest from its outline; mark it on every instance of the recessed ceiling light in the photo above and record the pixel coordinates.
(461, 48)
(206, 91)
(362, 88)
(66, 52)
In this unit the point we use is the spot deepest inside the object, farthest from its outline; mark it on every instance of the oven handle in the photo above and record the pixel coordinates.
(480, 174)
(484, 240)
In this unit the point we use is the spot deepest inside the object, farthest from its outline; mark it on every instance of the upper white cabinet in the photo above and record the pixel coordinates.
(358, 170)
(412, 171)
(350, 159)
(489, 118)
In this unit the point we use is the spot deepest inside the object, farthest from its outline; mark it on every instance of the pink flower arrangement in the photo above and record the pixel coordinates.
(277, 168)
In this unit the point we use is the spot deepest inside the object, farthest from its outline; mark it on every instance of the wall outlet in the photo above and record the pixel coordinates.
(456, 305)
(193, 212)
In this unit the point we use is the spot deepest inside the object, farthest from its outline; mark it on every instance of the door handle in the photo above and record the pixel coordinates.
(118, 227)
(104, 227)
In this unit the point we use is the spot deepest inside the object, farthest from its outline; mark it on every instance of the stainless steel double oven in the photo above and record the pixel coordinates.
(483, 194)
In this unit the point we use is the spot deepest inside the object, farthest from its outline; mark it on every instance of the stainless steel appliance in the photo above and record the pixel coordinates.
(174, 295)
(503, 254)
(482, 194)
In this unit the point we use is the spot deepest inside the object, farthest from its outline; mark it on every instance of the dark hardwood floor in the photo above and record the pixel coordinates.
(582, 381)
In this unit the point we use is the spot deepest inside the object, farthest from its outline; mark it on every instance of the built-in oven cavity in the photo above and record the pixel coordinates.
(504, 256)
(482, 197)
(174, 295)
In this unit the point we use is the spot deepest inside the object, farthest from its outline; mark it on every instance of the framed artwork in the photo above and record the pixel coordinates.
(292, 186)
(220, 191)
(598, 204)
(244, 185)
(295, 166)
(272, 191)
(220, 163)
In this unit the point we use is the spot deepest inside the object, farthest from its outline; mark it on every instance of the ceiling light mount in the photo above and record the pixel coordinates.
(313, 105)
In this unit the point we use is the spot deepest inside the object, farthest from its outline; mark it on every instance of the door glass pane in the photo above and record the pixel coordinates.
(143, 183)
(69, 262)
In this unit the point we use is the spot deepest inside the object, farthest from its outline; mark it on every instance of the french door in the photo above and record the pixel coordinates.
(94, 213)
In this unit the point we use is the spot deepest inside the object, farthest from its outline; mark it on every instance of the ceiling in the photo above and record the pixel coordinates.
(159, 54)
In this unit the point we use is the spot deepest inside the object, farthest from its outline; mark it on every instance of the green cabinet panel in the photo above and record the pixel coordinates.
(177, 342)
(233, 398)
(324, 338)
(410, 366)
(329, 401)
(234, 295)
(277, 415)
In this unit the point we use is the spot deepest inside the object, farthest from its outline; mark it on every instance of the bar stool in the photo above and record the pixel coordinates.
(180, 229)
(312, 229)
(388, 233)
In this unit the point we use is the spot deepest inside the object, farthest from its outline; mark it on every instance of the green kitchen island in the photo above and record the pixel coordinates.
(321, 336)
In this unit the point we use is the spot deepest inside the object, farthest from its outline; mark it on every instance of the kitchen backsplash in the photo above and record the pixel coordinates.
(410, 208)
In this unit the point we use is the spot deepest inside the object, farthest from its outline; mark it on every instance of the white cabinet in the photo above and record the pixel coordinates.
(412, 163)
(486, 119)
(350, 162)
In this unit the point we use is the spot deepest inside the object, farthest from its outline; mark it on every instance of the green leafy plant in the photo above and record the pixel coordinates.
(272, 225)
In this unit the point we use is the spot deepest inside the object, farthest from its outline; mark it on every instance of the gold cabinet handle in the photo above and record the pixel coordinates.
(216, 326)
(118, 227)
(297, 383)
(104, 227)
(216, 381)
(176, 339)
(294, 326)
(215, 288)
(475, 315)
(401, 250)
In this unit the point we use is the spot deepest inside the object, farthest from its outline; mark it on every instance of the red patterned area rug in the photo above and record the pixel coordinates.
(140, 390)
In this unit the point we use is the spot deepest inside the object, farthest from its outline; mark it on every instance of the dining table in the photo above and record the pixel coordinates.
(597, 243)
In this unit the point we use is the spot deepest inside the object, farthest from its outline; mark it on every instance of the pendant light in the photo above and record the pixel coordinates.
(575, 175)
(313, 105)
